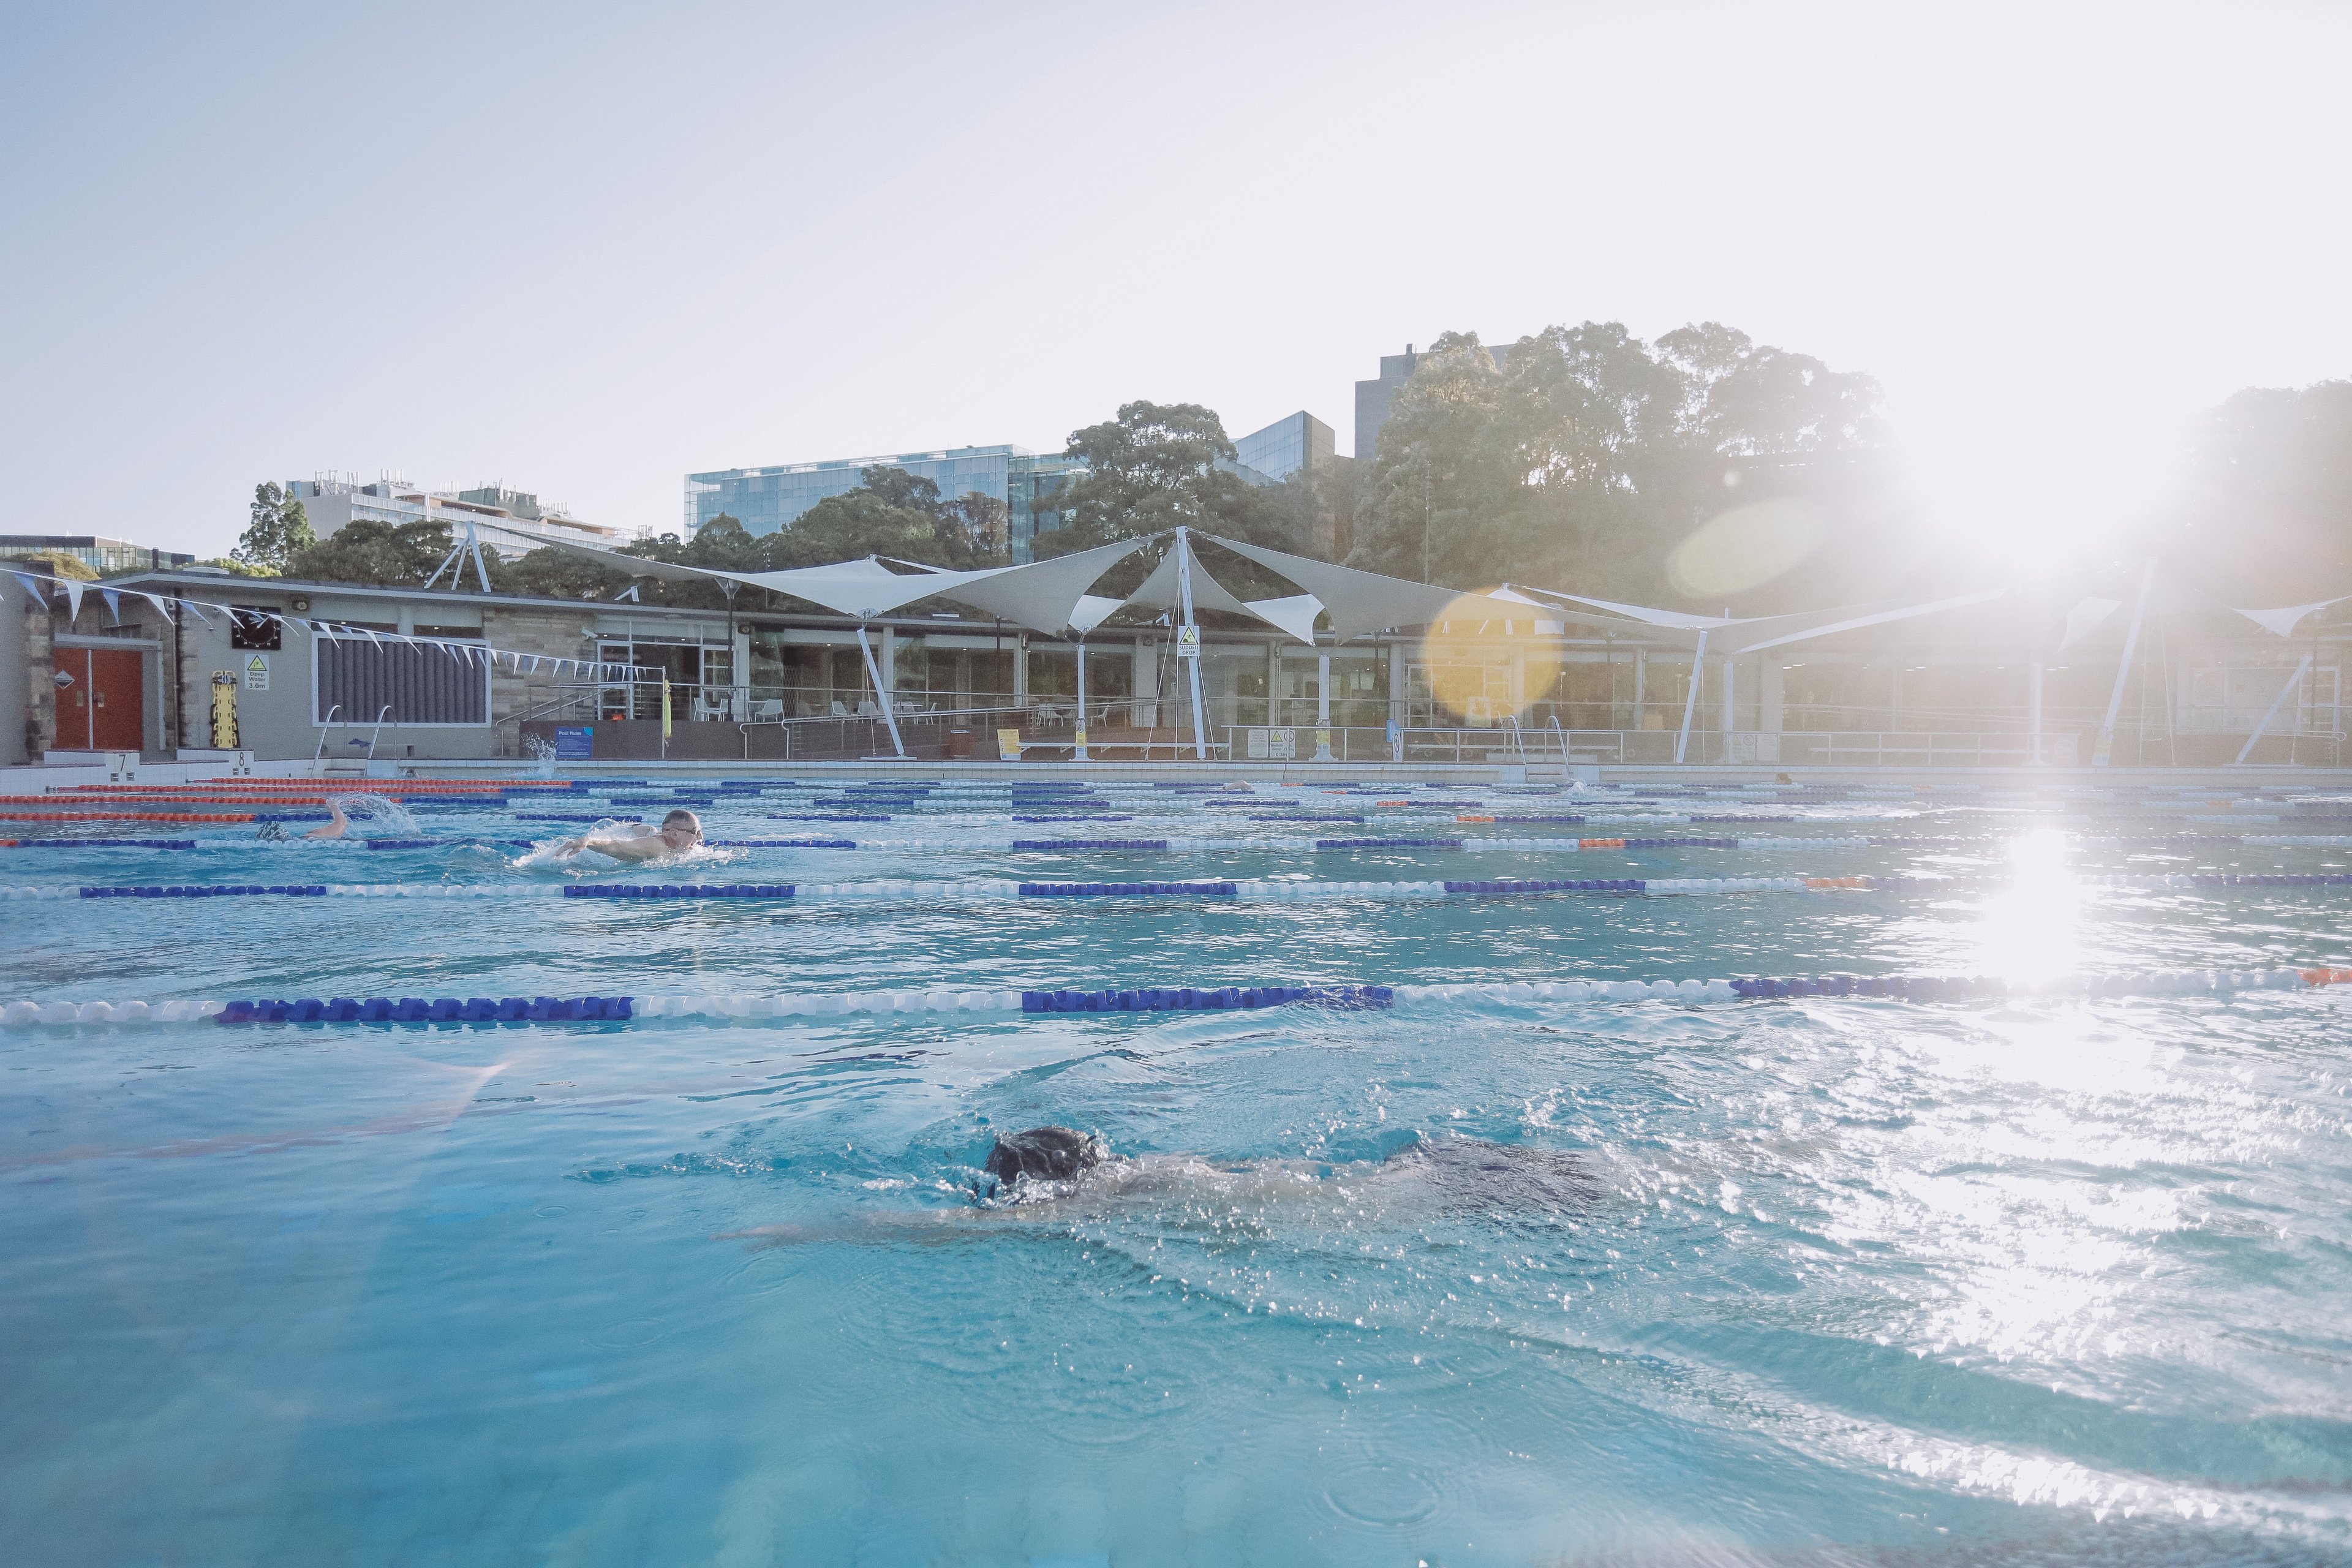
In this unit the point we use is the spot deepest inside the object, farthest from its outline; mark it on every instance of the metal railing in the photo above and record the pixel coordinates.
(834, 722)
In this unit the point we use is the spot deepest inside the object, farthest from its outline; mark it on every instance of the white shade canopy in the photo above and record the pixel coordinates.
(1043, 595)
(1161, 591)
(2282, 623)
(1357, 602)
(1751, 634)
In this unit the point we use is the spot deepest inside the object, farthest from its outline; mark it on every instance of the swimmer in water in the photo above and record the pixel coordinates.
(1058, 1174)
(680, 831)
(337, 825)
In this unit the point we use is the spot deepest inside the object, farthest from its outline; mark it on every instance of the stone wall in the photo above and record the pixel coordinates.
(557, 634)
(36, 644)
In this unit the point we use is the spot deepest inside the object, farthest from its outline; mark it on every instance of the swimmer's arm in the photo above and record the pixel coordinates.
(617, 844)
(334, 829)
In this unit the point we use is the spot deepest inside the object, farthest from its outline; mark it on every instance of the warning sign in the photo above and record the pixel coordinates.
(1188, 642)
(257, 672)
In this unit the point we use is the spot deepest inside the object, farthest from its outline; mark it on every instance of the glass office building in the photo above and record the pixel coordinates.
(1295, 442)
(764, 499)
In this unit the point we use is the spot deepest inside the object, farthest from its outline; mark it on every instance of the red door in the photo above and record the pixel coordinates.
(102, 708)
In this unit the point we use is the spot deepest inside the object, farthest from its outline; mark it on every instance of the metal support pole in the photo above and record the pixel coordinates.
(2033, 712)
(734, 664)
(2294, 683)
(1690, 698)
(1184, 596)
(1079, 755)
(882, 692)
(2106, 747)
(1323, 705)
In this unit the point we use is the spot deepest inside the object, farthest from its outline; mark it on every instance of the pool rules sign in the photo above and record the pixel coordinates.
(257, 672)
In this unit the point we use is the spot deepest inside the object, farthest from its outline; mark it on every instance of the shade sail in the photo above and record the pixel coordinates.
(862, 588)
(1776, 631)
(637, 565)
(1294, 615)
(1161, 591)
(2085, 618)
(2282, 623)
(1357, 602)
(1044, 595)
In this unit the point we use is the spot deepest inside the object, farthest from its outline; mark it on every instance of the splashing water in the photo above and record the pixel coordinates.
(382, 810)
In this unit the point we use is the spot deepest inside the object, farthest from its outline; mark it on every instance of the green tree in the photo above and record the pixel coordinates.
(2265, 508)
(280, 531)
(1588, 456)
(548, 572)
(855, 523)
(379, 553)
(895, 513)
(1437, 477)
(974, 529)
(1156, 465)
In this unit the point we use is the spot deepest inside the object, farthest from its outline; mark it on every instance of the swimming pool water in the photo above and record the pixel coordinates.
(1852, 1280)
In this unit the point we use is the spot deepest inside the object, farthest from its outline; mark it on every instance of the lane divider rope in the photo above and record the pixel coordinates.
(512, 1010)
(1265, 890)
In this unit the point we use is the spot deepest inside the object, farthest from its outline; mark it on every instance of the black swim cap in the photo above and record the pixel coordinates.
(1046, 1153)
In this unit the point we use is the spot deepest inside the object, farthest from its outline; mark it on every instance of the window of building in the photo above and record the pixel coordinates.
(355, 681)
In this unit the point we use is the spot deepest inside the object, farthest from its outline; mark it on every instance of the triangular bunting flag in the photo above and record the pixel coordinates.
(113, 603)
(73, 601)
(31, 587)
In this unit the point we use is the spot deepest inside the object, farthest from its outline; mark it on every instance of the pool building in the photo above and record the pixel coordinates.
(157, 662)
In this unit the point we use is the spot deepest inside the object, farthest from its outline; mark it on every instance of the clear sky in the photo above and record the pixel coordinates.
(585, 249)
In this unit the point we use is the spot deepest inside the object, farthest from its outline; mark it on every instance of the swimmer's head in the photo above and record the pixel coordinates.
(1044, 1155)
(681, 830)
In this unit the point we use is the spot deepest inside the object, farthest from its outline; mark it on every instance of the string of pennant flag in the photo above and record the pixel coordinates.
(517, 663)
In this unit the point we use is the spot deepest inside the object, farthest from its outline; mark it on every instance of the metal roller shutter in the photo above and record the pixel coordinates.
(417, 685)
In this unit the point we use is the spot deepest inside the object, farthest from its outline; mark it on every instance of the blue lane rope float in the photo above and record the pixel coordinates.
(1905, 988)
(1106, 819)
(784, 816)
(1163, 999)
(446, 843)
(782, 843)
(1387, 844)
(280, 890)
(1091, 844)
(102, 843)
(570, 817)
(418, 1010)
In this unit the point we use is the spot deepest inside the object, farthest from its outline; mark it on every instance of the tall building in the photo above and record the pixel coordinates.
(1372, 396)
(1373, 400)
(102, 555)
(511, 522)
(766, 499)
(1294, 442)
